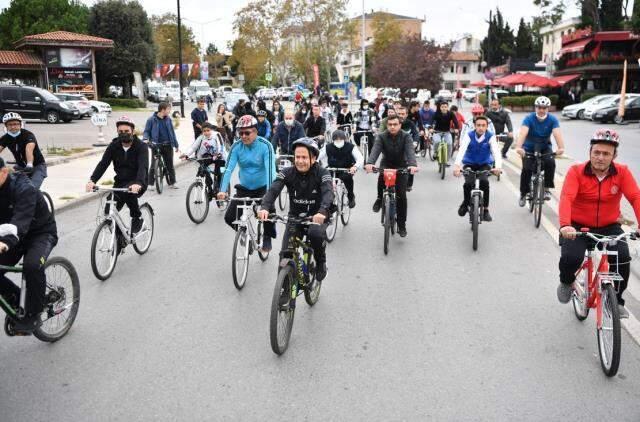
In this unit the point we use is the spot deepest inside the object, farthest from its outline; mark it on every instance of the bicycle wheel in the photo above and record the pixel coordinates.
(263, 256)
(533, 187)
(283, 308)
(475, 219)
(312, 289)
(62, 298)
(240, 258)
(345, 213)
(538, 199)
(142, 240)
(442, 157)
(609, 334)
(578, 298)
(365, 152)
(387, 223)
(333, 225)
(49, 201)
(104, 251)
(158, 169)
(433, 155)
(197, 202)
(282, 199)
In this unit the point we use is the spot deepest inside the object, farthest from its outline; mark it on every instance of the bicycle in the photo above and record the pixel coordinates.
(388, 210)
(340, 203)
(248, 239)
(112, 235)
(422, 147)
(296, 275)
(61, 301)
(476, 207)
(442, 154)
(535, 198)
(348, 129)
(284, 161)
(364, 142)
(594, 288)
(159, 167)
(28, 173)
(200, 194)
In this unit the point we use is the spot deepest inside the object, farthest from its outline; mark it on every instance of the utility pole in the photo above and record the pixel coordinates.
(180, 61)
(364, 77)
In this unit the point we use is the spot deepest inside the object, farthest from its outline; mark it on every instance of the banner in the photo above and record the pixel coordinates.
(623, 91)
(316, 76)
(204, 71)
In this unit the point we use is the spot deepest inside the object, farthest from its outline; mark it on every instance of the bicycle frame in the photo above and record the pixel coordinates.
(114, 215)
(246, 220)
(8, 309)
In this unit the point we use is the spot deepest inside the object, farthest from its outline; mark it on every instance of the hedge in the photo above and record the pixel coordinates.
(519, 101)
(589, 94)
(124, 102)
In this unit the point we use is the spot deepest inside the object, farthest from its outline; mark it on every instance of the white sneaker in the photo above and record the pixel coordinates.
(174, 186)
(623, 312)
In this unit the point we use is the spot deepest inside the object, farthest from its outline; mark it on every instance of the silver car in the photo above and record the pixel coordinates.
(577, 111)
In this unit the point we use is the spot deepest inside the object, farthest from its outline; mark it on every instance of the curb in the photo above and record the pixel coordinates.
(54, 161)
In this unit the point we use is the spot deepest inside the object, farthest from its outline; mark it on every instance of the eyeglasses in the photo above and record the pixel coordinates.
(244, 133)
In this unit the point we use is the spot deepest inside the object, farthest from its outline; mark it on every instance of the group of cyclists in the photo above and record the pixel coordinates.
(590, 196)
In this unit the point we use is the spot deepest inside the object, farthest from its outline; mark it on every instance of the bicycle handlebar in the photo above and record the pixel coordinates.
(538, 154)
(245, 199)
(304, 221)
(100, 188)
(600, 238)
(337, 169)
(477, 172)
(402, 170)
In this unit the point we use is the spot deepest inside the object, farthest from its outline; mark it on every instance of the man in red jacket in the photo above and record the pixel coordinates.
(590, 198)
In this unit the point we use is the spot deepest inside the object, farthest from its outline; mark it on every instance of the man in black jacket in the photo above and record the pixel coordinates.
(24, 147)
(310, 190)
(500, 118)
(129, 156)
(408, 127)
(315, 126)
(27, 231)
(397, 151)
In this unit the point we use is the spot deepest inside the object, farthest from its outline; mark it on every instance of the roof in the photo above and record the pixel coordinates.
(575, 46)
(64, 38)
(463, 56)
(20, 59)
(566, 78)
(371, 15)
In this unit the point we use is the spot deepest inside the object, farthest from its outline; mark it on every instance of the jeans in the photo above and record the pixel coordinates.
(233, 213)
(38, 175)
(469, 184)
(401, 196)
(130, 199)
(35, 250)
(446, 136)
(347, 179)
(317, 237)
(507, 145)
(166, 150)
(572, 255)
(529, 168)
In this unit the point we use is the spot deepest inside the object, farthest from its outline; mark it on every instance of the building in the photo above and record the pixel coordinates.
(552, 40)
(463, 66)
(59, 61)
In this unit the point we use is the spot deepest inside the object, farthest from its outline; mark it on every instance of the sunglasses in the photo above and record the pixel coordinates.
(244, 133)
(542, 107)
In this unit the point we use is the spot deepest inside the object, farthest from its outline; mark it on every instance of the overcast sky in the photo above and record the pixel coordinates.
(447, 21)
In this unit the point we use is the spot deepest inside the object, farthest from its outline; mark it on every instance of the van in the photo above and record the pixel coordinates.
(198, 89)
(35, 104)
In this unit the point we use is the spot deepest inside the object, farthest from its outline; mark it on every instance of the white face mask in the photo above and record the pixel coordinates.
(339, 144)
(365, 107)
(542, 118)
(288, 122)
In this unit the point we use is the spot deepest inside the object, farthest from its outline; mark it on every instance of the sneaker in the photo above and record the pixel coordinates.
(623, 312)
(564, 292)
(523, 200)
(28, 324)
(352, 203)
(266, 245)
(504, 156)
(321, 271)
(547, 195)
(409, 188)
(151, 186)
(402, 231)
(136, 225)
(377, 205)
(486, 216)
(462, 211)
(174, 186)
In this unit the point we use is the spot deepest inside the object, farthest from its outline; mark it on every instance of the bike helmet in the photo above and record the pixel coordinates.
(310, 144)
(542, 102)
(261, 113)
(339, 134)
(11, 117)
(440, 99)
(125, 120)
(477, 108)
(605, 136)
(246, 121)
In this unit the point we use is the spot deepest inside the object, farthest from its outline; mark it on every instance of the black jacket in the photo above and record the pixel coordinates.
(442, 122)
(309, 193)
(131, 166)
(410, 128)
(500, 119)
(23, 207)
(18, 147)
(396, 151)
(344, 119)
(314, 127)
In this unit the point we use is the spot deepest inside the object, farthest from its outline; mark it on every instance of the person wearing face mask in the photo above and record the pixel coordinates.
(303, 113)
(129, 156)
(344, 116)
(365, 119)
(287, 132)
(24, 147)
(343, 154)
(535, 135)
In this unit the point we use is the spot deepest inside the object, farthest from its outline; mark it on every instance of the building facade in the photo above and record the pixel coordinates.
(463, 66)
(552, 40)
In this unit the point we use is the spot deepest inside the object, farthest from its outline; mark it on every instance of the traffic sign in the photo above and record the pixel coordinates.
(268, 77)
(99, 119)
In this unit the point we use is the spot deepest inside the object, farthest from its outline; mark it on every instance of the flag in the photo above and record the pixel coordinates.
(623, 91)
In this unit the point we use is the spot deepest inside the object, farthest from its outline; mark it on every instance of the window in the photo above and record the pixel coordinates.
(464, 69)
(561, 34)
(29, 95)
(10, 94)
(452, 70)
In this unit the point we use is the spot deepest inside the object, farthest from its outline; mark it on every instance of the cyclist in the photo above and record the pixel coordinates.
(344, 116)
(535, 134)
(427, 114)
(287, 132)
(209, 146)
(365, 119)
(343, 154)
(442, 121)
(130, 157)
(159, 130)
(315, 126)
(476, 111)
(409, 128)
(198, 117)
(501, 118)
(590, 198)
(478, 151)
(264, 127)
(254, 155)
(27, 231)
(310, 189)
(326, 111)
(397, 151)
(24, 147)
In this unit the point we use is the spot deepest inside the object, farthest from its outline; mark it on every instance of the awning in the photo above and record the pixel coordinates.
(509, 79)
(533, 80)
(566, 78)
(483, 83)
(575, 47)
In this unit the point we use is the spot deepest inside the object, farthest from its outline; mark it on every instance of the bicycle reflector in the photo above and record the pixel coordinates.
(390, 178)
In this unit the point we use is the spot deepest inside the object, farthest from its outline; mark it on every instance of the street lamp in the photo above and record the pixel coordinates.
(364, 78)
(180, 61)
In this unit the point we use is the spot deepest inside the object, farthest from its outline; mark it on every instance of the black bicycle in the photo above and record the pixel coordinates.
(476, 207)
(296, 275)
(389, 204)
(61, 301)
(536, 186)
(200, 194)
(159, 168)
(283, 161)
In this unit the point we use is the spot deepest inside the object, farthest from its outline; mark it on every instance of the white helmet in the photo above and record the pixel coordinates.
(11, 116)
(542, 102)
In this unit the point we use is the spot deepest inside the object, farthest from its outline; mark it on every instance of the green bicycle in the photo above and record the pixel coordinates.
(442, 152)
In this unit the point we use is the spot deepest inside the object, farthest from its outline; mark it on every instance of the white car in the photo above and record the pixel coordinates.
(576, 111)
(80, 102)
(266, 94)
(469, 94)
(100, 107)
(232, 98)
(590, 111)
(445, 94)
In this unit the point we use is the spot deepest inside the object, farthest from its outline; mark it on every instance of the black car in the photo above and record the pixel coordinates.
(610, 114)
(36, 104)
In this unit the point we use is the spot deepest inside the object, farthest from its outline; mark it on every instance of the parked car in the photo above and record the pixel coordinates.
(232, 98)
(590, 111)
(610, 114)
(100, 106)
(266, 94)
(422, 95)
(79, 101)
(170, 95)
(576, 111)
(36, 104)
(470, 94)
(445, 94)
(287, 94)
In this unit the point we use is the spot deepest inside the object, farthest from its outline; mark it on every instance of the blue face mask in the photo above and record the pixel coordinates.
(13, 134)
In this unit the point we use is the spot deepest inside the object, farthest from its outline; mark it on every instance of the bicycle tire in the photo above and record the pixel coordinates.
(282, 305)
(157, 172)
(332, 229)
(580, 309)
(49, 201)
(263, 256)
(141, 247)
(610, 364)
(442, 157)
(282, 199)
(345, 214)
(387, 224)
(197, 189)
(538, 203)
(312, 289)
(365, 152)
(240, 277)
(475, 220)
(41, 333)
(432, 152)
(533, 187)
(106, 224)
(423, 151)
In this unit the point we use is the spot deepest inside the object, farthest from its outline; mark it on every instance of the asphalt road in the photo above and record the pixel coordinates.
(433, 331)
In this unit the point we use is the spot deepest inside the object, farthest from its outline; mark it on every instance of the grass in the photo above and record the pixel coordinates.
(67, 198)
(107, 182)
(121, 108)
(64, 152)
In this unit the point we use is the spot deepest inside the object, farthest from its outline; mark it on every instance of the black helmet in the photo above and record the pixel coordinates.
(310, 144)
(339, 134)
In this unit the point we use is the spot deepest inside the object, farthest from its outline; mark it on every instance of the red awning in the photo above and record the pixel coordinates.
(566, 78)
(512, 79)
(483, 83)
(533, 80)
(575, 47)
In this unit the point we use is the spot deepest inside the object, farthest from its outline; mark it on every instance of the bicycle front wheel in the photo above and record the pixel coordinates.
(158, 170)
(104, 250)
(312, 289)
(62, 298)
(142, 240)
(240, 258)
(283, 308)
(263, 256)
(197, 202)
(387, 223)
(579, 297)
(345, 211)
(609, 341)
(538, 203)
(442, 156)
(282, 199)
(333, 225)
(475, 219)
(49, 201)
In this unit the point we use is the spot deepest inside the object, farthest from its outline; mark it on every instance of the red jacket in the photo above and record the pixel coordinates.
(585, 201)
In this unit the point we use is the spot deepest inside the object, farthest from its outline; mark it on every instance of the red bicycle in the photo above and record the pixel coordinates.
(595, 288)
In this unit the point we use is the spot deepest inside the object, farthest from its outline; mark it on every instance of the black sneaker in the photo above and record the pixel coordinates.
(28, 324)
(352, 203)
(266, 245)
(136, 225)
(523, 200)
(462, 211)
(564, 292)
(504, 156)
(486, 216)
(409, 188)
(377, 205)
(321, 271)
(547, 195)
(402, 231)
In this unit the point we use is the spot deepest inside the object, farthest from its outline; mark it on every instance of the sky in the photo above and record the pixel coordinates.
(212, 20)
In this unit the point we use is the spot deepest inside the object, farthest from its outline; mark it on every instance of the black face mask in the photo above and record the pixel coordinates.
(125, 137)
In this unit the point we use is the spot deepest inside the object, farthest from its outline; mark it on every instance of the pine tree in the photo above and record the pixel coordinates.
(635, 17)
(524, 41)
(611, 15)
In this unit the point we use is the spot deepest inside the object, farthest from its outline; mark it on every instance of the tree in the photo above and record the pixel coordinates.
(215, 59)
(499, 44)
(165, 37)
(410, 63)
(589, 14)
(386, 30)
(127, 24)
(524, 41)
(28, 17)
(551, 11)
(635, 17)
(611, 15)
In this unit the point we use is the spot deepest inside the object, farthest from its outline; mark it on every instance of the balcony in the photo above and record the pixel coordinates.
(604, 61)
